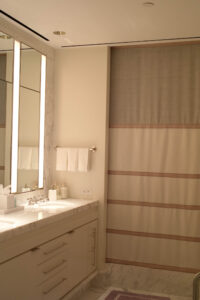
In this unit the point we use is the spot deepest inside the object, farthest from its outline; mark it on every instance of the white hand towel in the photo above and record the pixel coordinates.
(24, 158)
(83, 159)
(61, 159)
(34, 158)
(72, 159)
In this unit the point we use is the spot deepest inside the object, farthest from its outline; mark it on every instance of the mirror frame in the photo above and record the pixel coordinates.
(15, 118)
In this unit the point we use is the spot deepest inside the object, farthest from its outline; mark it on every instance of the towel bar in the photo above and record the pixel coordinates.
(92, 149)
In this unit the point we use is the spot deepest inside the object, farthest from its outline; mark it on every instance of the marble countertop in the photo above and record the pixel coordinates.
(38, 215)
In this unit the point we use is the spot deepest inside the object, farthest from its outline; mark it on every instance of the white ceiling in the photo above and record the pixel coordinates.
(107, 21)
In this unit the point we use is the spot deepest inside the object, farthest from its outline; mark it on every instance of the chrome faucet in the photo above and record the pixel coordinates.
(32, 201)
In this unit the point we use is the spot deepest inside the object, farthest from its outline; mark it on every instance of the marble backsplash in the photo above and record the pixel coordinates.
(21, 198)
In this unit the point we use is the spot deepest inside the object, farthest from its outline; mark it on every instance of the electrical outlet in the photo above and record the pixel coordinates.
(86, 193)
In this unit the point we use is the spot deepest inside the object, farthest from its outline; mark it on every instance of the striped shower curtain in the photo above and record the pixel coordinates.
(154, 158)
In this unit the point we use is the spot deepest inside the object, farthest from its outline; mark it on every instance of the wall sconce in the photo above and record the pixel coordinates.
(42, 122)
(15, 116)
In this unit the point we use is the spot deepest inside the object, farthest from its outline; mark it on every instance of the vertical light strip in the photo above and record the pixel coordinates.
(42, 120)
(15, 116)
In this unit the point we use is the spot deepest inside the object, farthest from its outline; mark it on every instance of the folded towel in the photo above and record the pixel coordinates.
(24, 158)
(72, 159)
(61, 159)
(83, 159)
(34, 158)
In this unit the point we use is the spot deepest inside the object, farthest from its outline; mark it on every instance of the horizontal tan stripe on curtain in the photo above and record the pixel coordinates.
(157, 126)
(152, 266)
(155, 174)
(154, 204)
(154, 235)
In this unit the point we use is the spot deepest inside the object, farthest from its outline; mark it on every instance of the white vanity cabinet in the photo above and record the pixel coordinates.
(17, 279)
(83, 255)
(50, 270)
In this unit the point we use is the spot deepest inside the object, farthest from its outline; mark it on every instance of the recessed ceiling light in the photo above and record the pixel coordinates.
(148, 4)
(58, 32)
(5, 37)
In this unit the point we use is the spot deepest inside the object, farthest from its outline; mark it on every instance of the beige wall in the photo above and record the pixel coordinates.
(81, 93)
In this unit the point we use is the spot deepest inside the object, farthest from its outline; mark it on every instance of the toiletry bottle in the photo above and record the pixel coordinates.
(63, 191)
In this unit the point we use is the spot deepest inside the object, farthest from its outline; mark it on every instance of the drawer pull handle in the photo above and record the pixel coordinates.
(35, 249)
(54, 286)
(54, 249)
(93, 249)
(54, 267)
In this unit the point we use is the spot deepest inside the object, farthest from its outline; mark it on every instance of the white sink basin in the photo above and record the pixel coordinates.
(5, 224)
(56, 205)
(51, 205)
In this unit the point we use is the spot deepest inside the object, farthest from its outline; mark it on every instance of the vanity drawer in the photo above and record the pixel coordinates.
(55, 287)
(51, 249)
(51, 267)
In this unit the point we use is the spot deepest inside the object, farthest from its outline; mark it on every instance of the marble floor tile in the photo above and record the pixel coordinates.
(175, 285)
(99, 294)
(92, 294)
(151, 280)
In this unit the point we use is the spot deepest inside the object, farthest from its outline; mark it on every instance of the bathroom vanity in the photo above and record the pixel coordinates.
(48, 249)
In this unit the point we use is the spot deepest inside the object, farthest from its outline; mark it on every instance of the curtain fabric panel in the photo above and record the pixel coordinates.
(154, 169)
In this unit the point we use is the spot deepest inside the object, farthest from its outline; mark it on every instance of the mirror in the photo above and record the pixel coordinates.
(6, 87)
